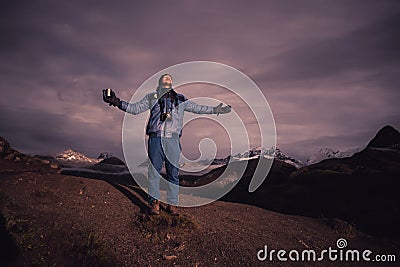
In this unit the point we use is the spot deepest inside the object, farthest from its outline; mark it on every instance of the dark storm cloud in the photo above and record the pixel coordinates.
(35, 131)
(328, 69)
(373, 47)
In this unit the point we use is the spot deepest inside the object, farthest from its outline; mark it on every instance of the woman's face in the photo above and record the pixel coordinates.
(166, 81)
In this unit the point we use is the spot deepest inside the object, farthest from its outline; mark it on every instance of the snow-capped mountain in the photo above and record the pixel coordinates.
(292, 161)
(70, 156)
(254, 152)
(105, 155)
(276, 153)
(328, 153)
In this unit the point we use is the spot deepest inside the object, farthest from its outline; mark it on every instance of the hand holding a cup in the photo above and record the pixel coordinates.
(110, 97)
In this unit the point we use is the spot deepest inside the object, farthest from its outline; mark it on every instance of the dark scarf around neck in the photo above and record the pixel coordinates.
(166, 98)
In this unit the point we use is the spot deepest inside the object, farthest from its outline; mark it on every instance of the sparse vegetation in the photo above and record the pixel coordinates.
(157, 227)
(88, 249)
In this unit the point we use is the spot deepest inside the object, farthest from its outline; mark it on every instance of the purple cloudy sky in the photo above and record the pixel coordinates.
(329, 69)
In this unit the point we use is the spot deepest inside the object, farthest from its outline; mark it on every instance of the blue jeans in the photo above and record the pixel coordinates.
(162, 149)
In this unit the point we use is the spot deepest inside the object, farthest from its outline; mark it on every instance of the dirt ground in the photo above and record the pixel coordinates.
(49, 219)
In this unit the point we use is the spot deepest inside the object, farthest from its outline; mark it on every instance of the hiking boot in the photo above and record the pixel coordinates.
(154, 208)
(172, 210)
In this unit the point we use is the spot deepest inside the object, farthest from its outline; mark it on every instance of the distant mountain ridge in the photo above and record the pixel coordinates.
(287, 159)
(273, 152)
(72, 158)
(387, 137)
(75, 156)
(328, 153)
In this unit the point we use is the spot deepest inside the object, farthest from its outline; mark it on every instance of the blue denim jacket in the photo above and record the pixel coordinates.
(167, 128)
